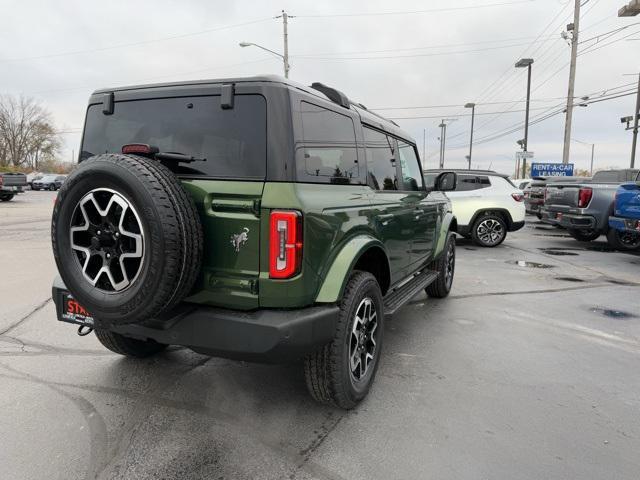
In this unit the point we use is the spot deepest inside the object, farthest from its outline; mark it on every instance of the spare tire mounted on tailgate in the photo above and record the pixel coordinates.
(126, 238)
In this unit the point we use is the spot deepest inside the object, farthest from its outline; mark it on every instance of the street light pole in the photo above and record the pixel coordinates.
(443, 132)
(593, 146)
(526, 62)
(472, 106)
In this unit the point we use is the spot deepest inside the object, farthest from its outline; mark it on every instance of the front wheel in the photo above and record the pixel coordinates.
(623, 240)
(586, 235)
(129, 347)
(342, 372)
(445, 266)
(52, 187)
(489, 230)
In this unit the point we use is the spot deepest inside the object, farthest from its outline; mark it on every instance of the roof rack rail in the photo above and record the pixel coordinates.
(336, 96)
(375, 114)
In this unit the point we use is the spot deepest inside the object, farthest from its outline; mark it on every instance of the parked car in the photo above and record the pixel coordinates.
(624, 224)
(584, 208)
(534, 195)
(11, 184)
(289, 225)
(48, 182)
(486, 205)
(34, 178)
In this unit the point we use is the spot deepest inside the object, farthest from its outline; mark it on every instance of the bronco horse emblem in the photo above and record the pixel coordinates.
(239, 239)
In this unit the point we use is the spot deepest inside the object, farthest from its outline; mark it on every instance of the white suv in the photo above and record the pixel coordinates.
(486, 205)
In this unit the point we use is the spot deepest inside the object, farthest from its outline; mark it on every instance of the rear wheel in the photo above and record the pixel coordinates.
(623, 240)
(586, 235)
(127, 346)
(342, 372)
(52, 187)
(6, 198)
(445, 266)
(489, 230)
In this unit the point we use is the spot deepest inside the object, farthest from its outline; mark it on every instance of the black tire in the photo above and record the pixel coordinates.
(6, 198)
(489, 230)
(129, 347)
(583, 235)
(170, 231)
(52, 187)
(445, 266)
(328, 372)
(539, 215)
(625, 241)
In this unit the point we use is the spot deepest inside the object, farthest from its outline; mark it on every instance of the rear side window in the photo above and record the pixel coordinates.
(328, 153)
(472, 182)
(233, 141)
(382, 170)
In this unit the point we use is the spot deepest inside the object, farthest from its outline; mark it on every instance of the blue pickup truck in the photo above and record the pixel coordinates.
(624, 224)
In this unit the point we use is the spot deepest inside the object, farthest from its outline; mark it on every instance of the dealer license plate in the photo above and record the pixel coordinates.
(73, 312)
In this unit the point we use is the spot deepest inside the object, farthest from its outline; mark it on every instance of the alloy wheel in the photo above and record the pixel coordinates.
(107, 239)
(362, 341)
(490, 231)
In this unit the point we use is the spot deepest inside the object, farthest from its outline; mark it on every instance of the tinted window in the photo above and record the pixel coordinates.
(381, 160)
(409, 166)
(329, 151)
(472, 182)
(233, 141)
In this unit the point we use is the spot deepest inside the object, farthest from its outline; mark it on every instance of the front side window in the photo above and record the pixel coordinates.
(409, 166)
(233, 141)
(381, 160)
(329, 153)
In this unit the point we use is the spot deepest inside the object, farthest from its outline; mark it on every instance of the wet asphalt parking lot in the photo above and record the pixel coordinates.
(528, 370)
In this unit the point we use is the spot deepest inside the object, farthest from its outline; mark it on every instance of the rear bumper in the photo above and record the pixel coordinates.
(569, 220)
(625, 224)
(267, 336)
(515, 226)
(11, 190)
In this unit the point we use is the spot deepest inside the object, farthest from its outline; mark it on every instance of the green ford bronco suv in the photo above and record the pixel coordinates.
(248, 218)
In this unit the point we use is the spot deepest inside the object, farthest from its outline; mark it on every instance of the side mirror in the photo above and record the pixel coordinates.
(446, 181)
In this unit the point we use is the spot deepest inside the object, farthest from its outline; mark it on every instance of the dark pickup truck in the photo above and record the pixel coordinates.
(584, 208)
(11, 184)
(535, 192)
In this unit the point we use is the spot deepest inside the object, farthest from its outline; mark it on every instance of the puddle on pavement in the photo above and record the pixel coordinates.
(524, 263)
(600, 248)
(560, 253)
(570, 279)
(471, 249)
(620, 282)
(617, 314)
(568, 249)
(558, 235)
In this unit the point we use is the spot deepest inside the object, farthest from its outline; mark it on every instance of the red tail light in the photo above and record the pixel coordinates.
(139, 149)
(285, 244)
(584, 197)
(518, 197)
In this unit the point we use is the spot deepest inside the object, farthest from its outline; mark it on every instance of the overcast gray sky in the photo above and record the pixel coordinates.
(443, 53)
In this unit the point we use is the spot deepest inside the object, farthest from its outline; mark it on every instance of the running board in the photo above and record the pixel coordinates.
(395, 299)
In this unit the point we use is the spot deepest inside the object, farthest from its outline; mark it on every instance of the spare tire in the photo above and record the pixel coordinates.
(126, 238)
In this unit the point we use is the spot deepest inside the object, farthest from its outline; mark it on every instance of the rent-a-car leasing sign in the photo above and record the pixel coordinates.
(552, 170)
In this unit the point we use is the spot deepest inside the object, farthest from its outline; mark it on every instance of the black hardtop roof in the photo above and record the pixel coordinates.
(366, 115)
(467, 171)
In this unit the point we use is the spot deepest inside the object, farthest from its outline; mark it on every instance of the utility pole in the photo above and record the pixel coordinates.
(472, 106)
(424, 145)
(526, 62)
(636, 114)
(574, 27)
(593, 146)
(285, 19)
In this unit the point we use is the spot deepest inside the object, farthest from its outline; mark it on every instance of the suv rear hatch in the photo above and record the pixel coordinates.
(226, 187)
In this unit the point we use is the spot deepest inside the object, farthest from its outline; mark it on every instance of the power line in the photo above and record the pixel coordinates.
(450, 45)
(134, 44)
(462, 114)
(393, 57)
(412, 12)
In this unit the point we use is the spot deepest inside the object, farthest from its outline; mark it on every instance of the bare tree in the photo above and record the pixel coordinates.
(27, 134)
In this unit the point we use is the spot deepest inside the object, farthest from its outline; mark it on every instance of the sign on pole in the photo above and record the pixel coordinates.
(551, 170)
